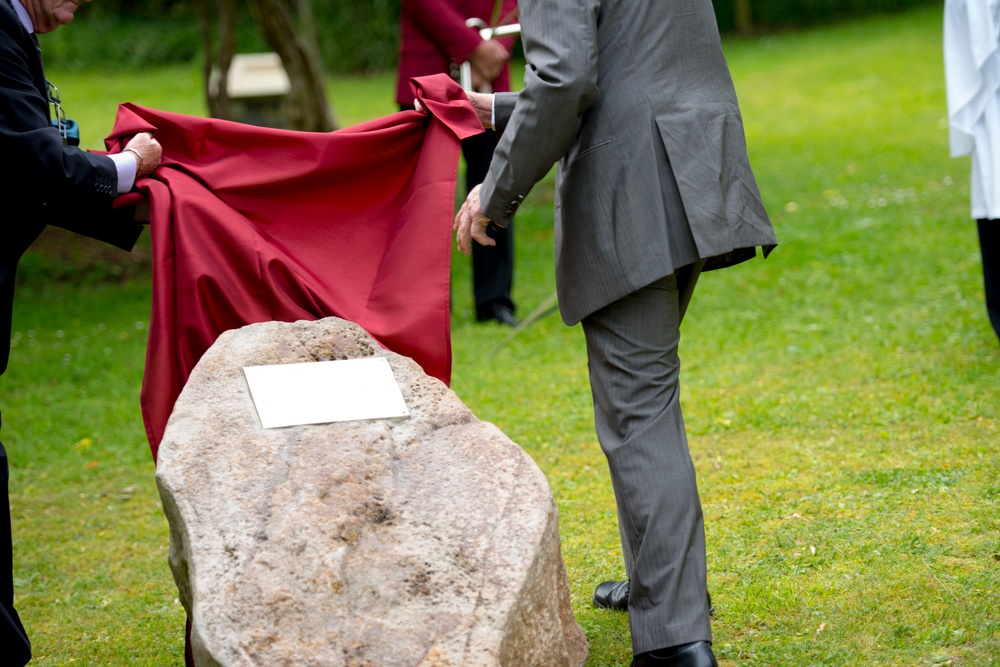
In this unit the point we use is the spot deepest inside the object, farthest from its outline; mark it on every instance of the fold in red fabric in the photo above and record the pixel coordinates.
(254, 224)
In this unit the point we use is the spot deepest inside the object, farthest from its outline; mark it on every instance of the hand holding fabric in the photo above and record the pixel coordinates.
(483, 104)
(147, 152)
(470, 223)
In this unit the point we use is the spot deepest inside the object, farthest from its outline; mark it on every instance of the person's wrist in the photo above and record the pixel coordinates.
(483, 104)
(139, 160)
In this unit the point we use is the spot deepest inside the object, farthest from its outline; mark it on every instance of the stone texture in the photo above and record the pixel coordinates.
(429, 541)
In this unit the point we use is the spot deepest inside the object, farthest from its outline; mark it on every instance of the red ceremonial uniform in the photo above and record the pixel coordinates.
(435, 39)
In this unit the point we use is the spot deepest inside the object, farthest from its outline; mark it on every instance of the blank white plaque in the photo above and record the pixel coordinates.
(325, 391)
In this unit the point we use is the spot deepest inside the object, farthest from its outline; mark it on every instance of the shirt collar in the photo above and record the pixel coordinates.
(22, 14)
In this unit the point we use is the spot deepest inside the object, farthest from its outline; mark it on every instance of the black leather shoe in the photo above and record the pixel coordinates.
(505, 316)
(614, 595)
(697, 654)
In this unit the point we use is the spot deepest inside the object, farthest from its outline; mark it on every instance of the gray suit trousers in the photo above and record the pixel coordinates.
(634, 373)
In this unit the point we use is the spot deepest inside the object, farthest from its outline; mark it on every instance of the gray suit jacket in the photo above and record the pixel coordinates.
(634, 100)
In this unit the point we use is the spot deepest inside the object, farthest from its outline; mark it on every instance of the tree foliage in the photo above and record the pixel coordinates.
(352, 35)
(355, 36)
(760, 15)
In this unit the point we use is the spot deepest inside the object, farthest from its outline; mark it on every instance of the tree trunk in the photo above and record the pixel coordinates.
(288, 27)
(744, 19)
(224, 18)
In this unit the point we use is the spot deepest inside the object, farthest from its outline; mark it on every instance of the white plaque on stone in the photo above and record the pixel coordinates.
(325, 391)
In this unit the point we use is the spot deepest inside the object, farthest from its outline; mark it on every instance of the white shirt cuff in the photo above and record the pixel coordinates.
(493, 110)
(125, 164)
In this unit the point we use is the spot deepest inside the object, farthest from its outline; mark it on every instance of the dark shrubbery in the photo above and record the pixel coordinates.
(779, 14)
(354, 35)
(103, 39)
(358, 36)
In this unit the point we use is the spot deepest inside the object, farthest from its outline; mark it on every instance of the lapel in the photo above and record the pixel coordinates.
(29, 43)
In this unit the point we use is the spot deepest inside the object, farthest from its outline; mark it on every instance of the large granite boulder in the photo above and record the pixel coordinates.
(427, 541)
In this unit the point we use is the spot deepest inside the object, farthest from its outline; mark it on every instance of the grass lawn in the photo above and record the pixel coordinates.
(841, 397)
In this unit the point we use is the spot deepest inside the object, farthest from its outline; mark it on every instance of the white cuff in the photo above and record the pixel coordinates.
(126, 165)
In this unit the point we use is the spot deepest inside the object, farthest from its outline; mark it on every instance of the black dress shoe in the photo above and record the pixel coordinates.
(505, 316)
(697, 654)
(614, 595)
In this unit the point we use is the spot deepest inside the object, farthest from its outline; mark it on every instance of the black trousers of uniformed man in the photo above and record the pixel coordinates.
(15, 649)
(492, 266)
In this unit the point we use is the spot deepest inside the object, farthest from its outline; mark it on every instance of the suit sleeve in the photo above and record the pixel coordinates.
(503, 109)
(51, 183)
(538, 125)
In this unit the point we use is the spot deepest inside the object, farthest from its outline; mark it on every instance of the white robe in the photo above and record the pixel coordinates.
(972, 75)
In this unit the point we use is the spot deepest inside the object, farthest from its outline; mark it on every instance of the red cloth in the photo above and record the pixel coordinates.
(255, 224)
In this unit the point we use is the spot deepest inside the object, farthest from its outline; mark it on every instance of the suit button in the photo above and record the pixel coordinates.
(512, 207)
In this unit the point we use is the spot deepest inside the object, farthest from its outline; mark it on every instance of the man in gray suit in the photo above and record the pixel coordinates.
(634, 100)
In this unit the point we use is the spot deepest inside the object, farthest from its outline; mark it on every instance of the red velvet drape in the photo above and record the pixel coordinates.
(255, 224)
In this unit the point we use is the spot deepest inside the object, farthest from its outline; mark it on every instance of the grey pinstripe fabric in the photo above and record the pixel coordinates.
(634, 368)
(633, 98)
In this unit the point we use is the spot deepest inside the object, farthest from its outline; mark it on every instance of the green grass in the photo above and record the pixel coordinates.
(841, 397)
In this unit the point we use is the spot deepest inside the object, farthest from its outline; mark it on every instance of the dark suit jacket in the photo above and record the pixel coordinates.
(44, 182)
(434, 38)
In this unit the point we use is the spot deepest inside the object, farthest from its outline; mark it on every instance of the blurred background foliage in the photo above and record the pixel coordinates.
(771, 15)
(356, 36)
